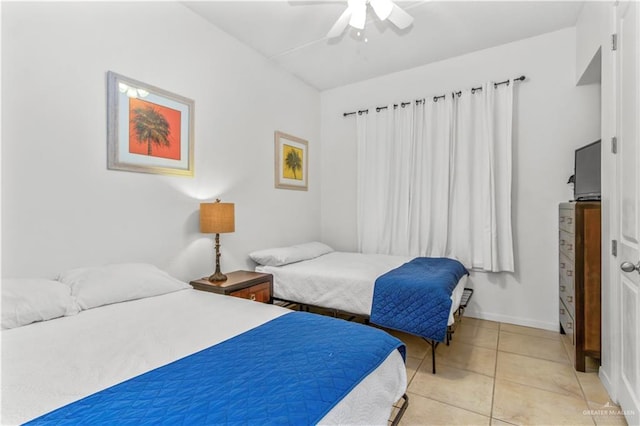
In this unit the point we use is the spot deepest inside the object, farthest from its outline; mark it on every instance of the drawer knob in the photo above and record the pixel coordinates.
(630, 267)
(561, 311)
(563, 288)
(569, 273)
(562, 265)
(570, 325)
(561, 242)
(252, 296)
(562, 219)
(570, 299)
(569, 220)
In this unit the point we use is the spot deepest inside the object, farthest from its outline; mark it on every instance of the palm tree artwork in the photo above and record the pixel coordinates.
(151, 127)
(154, 130)
(292, 162)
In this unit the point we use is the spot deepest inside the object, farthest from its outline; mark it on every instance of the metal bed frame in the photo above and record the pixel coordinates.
(403, 408)
(464, 301)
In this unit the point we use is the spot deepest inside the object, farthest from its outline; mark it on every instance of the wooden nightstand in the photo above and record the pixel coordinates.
(244, 284)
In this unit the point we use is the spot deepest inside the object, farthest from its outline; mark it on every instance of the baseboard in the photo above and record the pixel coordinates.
(606, 382)
(527, 322)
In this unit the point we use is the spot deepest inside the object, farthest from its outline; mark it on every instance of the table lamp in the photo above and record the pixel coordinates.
(217, 218)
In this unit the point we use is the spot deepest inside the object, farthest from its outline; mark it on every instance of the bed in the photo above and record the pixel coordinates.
(62, 364)
(313, 274)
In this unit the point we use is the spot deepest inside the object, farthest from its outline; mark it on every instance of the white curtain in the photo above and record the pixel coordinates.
(434, 179)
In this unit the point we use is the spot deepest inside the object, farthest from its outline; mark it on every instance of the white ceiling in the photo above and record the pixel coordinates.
(293, 33)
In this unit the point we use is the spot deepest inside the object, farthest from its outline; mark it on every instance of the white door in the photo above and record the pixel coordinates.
(628, 209)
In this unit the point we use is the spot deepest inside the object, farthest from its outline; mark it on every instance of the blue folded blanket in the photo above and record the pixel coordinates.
(416, 297)
(291, 370)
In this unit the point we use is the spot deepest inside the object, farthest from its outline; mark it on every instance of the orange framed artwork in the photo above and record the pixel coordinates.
(291, 162)
(149, 130)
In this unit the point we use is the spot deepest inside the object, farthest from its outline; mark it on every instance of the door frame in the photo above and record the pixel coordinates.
(611, 371)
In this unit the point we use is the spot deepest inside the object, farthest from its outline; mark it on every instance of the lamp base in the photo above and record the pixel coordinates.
(218, 276)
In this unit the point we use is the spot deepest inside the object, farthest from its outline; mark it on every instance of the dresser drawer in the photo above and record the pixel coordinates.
(566, 220)
(567, 245)
(568, 299)
(566, 271)
(566, 321)
(259, 292)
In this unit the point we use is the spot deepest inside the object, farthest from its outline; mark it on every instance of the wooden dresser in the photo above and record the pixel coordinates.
(579, 266)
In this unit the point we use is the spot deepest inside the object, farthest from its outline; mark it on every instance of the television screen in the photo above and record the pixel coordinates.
(587, 172)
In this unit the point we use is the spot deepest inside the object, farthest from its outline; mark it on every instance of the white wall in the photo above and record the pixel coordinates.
(552, 117)
(590, 27)
(62, 208)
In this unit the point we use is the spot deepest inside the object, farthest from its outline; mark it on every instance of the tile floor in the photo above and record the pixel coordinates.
(502, 374)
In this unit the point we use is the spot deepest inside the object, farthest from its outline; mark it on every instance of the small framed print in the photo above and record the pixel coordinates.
(149, 130)
(292, 159)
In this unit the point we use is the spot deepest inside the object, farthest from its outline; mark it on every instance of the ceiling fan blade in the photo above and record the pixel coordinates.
(382, 8)
(400, 18)
(340, 25)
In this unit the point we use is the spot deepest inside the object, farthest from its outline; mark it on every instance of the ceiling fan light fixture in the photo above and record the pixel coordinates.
(358, 14)
(355, 15)
(382, 8)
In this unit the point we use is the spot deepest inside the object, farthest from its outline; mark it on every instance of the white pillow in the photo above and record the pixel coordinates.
(285, 255)
(29, 300)
(103, 285)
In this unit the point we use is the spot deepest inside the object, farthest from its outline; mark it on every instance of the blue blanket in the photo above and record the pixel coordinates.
(291, 370)
(416, 297)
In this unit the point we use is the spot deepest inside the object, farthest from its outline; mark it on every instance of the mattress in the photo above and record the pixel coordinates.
(341, 280)
(53, 363)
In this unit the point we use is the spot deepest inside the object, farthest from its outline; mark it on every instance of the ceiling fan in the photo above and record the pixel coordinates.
(356, 15)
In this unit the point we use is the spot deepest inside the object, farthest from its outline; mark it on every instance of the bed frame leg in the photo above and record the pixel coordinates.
(433, 344)
(403, 408)
(433, 357)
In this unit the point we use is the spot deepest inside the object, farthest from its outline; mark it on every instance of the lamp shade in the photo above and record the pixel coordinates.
(217, 218)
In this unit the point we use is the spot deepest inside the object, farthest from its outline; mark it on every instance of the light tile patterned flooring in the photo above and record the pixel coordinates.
(502, 374)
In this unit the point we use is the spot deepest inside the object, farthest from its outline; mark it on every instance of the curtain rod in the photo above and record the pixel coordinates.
(435, 98)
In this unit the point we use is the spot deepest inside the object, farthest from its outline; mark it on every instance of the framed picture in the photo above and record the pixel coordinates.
(149, 130)
(292, 159)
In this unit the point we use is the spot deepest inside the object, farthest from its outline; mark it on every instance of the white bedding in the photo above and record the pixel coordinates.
(340, 280)
(49, 364)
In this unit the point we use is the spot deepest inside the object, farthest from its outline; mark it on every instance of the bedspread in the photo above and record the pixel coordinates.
(416, 297)
(290, 370)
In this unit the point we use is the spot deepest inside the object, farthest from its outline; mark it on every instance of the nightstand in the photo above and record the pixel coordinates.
(244, 284)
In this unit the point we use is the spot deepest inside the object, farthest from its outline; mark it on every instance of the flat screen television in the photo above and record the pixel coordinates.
(587, 172)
